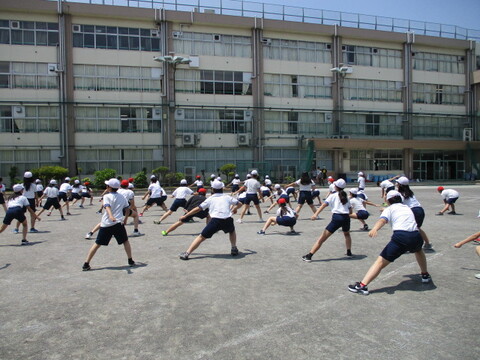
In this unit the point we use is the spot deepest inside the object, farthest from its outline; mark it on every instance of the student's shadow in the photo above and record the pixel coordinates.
(350, 258)
(414, 283)
(5, 266)
(127, 268)
(240, 255)
(30, 243)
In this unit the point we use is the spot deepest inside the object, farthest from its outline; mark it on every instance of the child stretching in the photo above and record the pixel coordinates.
(477, 248)
(285, 217)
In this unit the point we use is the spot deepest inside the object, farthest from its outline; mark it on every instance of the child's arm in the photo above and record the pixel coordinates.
(468, 239)
(378, 225)
(319, 210)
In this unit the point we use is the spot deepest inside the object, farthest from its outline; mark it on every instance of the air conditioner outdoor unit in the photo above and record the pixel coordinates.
(154, 32)
(18, 111)
(14, 24)
(328, 117)
(217, 37)
(76, 28)
(335, 137)
(52, 69)
(188, 139)
(467, 134)
(243, 139)
(157, 113)
(179, 114)
(266, 41)
(177, 34)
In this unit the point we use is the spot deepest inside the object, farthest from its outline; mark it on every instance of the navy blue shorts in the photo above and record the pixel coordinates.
(266, 193)
(75, 196)
(286, 220)
(17, 213)
(86, 195)
(305, 196)
(290, 191)
(159, 201)
(178, 203)
(252, 197)
(52, 202)
(216, 225)
(390, 188)
(62, 196)
(235, 187)
(32, 204)
(2, 199)
(400, 243)
(286, 197)
(419, 215)
(315, 193)
(243, 200)
(362, 196)
(362, 214)
(339, 221)
(201, 215)
(452, 200)
(105, 234)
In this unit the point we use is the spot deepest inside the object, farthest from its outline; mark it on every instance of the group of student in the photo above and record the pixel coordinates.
(403, 211)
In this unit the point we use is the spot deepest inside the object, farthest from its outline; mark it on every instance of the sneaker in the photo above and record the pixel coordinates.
(98, 212)
(439, 214)
(239, 221)
(136, 233)
(141, 214)
(349, 253)
(292, 232)
(452, 213)
(266, 212)
(359, 289)
(261, 232)
(426, 278)
(49, 213)
(80, 206)
(68, 213)
(234, 251)
(427, 246)
(15, 231)
(184, 255)
(131, 263)
(25, 242)
(156, 222)
(164, 233)
(477, 276)
(33, 230)
(62, 218)
(86, 267)
(307, 258)
(89, 235)
(365, 227)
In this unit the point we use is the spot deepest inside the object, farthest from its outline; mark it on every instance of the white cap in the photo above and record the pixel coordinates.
(53, 182)
(277, 186)
(403, 180)
(267, 177)
(131, 186)
(17, 187)
(360, 173)
(38, 181)
(249, 176)
(217, 184)
(219, 178)
(236, 175)
(153, 177)
(353, 191)
(254, 172)
(212, 176)
(113, 183)
(67, 179)
(340, 183)
(393, 193)
(77, 181)
(27, 174)
(183, 182)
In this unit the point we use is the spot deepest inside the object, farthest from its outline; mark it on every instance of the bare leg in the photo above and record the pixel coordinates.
(174, 226)
(92, 252)
(271, 221)
(233, 238)
(128, 249)
(24, 229)
(196, 243)
(375, 269)
(164, 216)
(348, 240)
(424, 236)
(422, 261)
(325, 235)
(259, 211)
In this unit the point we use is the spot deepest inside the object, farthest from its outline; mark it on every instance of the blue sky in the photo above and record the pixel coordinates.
(463, 13)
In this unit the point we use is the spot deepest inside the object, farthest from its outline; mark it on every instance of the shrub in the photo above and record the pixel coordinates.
(140, 180)
(103, 175)
(47, 173)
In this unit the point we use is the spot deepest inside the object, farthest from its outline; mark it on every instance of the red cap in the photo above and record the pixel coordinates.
(281, 201)
(202, 191)
(86, 183)
(440, 188)
(131, 180)
(198, 177)
(124, 183)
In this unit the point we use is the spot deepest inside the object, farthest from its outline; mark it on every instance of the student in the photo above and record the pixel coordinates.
(192, 203)
(2, 195)
(285, 217)
(39, 191)
(266, 193)
(472, 237)
(51, 193)
(221, 208)
(316, 195)
(268, 182)
(341, 209)
(17, 204)
(198, 182)
(359, 211)
(409, 199)
(130, 196)
(180, 194)
(30, 192)
(290, 190)
(331, 186)
(386, 186)
(112, 223)
(361, 182)
(64, 193)
(278, 193)
(305, 185)
(86, 193)
(76, 192)
(235, 183)
(406, 237)
(449, 197)
(156, 195)
(252, 188)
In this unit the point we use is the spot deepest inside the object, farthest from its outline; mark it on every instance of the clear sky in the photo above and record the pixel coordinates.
(464, 13)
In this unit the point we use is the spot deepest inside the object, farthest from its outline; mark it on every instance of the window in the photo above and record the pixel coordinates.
(25, 75)
(213, 82)
(115, 38)
(376, 160)
(372, 125)
(385, 125)
(372, 90)
(448, 127)
(6, 121)
(438, 94)
(305, 123)
(368, 56)
(28, 33)
(231, 121)
(424, 61)
(278, 85)
(293, 122)
(212, 45)
(294, 50)
(128, 119)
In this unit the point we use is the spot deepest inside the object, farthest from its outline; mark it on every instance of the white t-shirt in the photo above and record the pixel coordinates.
(218, 205)
(77, 189)
(290, 212)
(19, 201)
(333, 200)
(361, 182)
(39, 187)
(411, 202)
(65, 187)
(302, 187)
(449, 194)
(30, 193)
(264, 188)
(268, 182)
(155, 190)
(127, 194)
(198, 183)
(2, 188)
(51, 192)
(117, 203)
(236, 181)
(400, 217)
(357, 204)
(182, 192)
(385, 184)
(252, 185)
(331, 188)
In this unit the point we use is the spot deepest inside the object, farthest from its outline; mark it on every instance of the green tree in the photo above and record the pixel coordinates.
(47, 173)
(103, 175)
(12, 173)
(160, 172)
(173, 178)
(228, 170)
(140, 180)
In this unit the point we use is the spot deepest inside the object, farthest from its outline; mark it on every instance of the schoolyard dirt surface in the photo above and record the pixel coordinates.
(265, 303)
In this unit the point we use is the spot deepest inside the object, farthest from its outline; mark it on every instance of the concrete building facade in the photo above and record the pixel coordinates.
(91, 86)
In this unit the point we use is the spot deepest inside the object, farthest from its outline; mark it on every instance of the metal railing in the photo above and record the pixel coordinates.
(298, 14)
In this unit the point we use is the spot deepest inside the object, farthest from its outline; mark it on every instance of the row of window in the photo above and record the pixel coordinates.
(213, 82)
(368, 56)
(26, 75)
(278, 85)
(438, 94)
(372, 90)
(295, 50)
(211, 44)
(28, 33)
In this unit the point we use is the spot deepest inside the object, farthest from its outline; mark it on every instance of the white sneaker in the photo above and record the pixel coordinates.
(88, 236)
(136, 233)
(239, 221)
(477, 276)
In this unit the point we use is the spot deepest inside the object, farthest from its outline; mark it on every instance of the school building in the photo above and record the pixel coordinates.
(140, 84)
